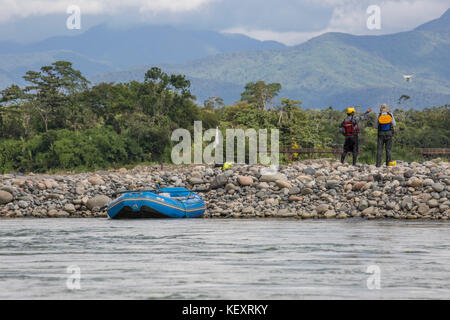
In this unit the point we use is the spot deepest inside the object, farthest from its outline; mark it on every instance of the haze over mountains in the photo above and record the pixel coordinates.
(332, 69)
(106, 49)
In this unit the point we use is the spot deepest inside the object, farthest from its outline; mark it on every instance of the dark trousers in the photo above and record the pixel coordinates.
(350, 145)
(384, 140)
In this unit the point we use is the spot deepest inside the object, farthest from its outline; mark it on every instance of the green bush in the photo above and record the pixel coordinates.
(65, 149)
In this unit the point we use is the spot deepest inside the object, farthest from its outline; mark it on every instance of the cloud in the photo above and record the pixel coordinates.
(350, 16)
(288, 38)
(13, 9)
(396, 15)
(287, 21)
(171, 5)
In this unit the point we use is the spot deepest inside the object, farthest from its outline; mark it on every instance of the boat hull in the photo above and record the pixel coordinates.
(167, 203)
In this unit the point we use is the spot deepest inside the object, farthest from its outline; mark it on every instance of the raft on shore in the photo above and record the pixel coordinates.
(161, 203)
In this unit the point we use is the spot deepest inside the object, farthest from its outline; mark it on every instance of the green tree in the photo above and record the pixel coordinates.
(260, 93)
(213, 102)
(52, 92)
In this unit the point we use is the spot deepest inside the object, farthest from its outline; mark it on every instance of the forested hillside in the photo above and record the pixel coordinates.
(334, 69)
(58, 122)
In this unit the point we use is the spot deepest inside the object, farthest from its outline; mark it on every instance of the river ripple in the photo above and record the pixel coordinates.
(224, 259)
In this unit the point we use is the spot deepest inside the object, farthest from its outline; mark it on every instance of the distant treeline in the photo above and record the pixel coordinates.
(59, 122)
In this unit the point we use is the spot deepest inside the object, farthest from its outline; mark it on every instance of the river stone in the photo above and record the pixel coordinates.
(286, 213)
(79, 190)
(332, 184)
(52, 213)
(23, 204)
(96, 180)
(423, 209)
(97, 202)
(248, 210)
(18, 182)
(196, 174)
(433, 203)
(322, 208)
(408, 174)
(50, 183)
(62, 214)
(295, 198)
(69, 207)
(219, 181)
(376, 194)
(5, 197)
(273, 177)
(367, 186)
(263, 185)
(230, 186)
(294, 190)
(363, 204)
(342, 215)
(310, 171)
(358, 185)
(415, 183)
(438, 187)
(390, 205)
(306, 215)
(368, 211)
(245, 180)
(283, 184)
(261, 194)
(194, 180)
(330, 214)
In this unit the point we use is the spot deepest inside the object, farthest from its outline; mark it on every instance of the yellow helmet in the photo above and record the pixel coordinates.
(350, 110)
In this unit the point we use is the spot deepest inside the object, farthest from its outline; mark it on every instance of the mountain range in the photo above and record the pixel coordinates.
(107, 49)
(333, 69)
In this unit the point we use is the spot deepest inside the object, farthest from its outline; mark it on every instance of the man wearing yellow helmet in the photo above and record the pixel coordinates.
(350, 129)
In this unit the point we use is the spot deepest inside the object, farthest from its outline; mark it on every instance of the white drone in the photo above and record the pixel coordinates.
(408, 78)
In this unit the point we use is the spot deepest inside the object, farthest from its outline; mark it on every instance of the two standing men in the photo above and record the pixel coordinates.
(350, 129)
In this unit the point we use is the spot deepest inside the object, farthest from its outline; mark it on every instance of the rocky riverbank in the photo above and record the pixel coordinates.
(321, 188)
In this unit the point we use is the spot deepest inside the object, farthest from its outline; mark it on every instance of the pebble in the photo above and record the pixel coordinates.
(5, 197)
(310, 189)
(438, 187)
(245, 180)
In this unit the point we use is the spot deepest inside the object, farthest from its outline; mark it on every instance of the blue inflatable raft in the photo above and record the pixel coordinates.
(161, 203)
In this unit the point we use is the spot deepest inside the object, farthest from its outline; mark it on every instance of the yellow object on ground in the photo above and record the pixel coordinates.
(295, 146)
(392, 163)
(226, 166)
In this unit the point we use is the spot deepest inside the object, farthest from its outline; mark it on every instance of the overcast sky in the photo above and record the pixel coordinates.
(287, 21)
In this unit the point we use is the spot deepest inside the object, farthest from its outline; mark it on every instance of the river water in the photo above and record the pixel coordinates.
(223, 259)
